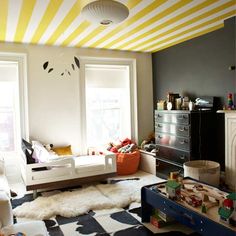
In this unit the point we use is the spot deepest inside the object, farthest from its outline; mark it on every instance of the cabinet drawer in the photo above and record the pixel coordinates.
(179, 130)
(178, 118)
(173, 155)
(173, 141)
(163, 169)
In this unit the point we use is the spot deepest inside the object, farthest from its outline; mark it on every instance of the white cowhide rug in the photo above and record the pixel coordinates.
(80, 201)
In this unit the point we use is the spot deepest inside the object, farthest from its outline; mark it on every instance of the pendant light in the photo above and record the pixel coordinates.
(105, 12)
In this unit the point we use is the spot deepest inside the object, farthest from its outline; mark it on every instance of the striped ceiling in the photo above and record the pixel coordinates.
(152, 25)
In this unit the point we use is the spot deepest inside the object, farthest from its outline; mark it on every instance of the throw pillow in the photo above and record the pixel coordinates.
(28, 151)
(127, 163)
(63, 151)
(40, 152)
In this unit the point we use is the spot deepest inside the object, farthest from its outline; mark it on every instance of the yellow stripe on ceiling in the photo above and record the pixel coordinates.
(94, 33)
(69, 18)
(168, 22)
(157, 17)
(25, 15)
(82, 27)
(200, 17)
(191, 37)
(129, 21)
(130, 4)
(218, 18)
(3, 19)
(49, 14)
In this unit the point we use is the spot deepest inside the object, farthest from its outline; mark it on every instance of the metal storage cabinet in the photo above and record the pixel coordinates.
(182, 136)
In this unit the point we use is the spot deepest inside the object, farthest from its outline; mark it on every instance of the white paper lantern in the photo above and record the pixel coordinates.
(105, 12)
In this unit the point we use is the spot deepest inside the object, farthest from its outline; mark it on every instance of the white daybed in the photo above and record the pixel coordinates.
(67, 171)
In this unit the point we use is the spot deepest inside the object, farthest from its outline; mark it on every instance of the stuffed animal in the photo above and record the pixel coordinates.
(149, 140)
(125, 146)
(128, 148)
(48, 146)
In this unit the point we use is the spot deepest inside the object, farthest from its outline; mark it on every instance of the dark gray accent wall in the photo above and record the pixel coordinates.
(198, 67)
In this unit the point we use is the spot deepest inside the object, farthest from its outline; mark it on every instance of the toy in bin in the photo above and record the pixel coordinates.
(159, 219)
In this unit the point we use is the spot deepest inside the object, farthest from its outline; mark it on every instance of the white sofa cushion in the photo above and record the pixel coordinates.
(30, 228)
(4, 185)
(6, 216)
(3, 180)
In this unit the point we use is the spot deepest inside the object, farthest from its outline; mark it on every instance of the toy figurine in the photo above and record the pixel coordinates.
(204, 209)
(226, 210)
(230, 101)
(232, 219)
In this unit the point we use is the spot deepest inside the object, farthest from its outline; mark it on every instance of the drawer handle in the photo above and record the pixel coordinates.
(159, 136)
(160, 116)
(183, 142)
(160, 126)
(182, 117)
(182, 129)
(182, 157)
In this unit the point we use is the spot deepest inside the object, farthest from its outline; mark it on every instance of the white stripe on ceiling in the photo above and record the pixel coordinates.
(91, 28)
(62, 12)
(140, 21)
(12, 19)
(77, 21)
(206, 9)
(190, 26)
(124, 1)
(186, 35)
(38, 12)
(132, 12)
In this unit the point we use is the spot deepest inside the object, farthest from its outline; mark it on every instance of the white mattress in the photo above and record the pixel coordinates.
(89, 163)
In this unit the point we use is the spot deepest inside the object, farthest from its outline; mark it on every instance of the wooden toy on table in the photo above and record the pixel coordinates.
(232, 219)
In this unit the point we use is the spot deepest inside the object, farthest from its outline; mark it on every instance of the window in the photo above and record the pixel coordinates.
(108, 110)
(9, 107)
(107, 104)
(13, 102)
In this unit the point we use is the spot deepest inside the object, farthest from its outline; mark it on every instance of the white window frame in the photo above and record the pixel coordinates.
(131, 63)
(21, 60)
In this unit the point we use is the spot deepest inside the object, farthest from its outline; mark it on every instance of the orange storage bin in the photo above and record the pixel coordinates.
(127, 163)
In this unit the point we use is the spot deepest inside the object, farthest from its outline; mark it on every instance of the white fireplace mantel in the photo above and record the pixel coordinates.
(230, 149)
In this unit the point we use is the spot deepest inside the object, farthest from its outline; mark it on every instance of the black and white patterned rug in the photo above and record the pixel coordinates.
(116, 221)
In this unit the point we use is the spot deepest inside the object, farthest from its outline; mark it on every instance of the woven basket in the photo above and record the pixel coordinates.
(203, 170)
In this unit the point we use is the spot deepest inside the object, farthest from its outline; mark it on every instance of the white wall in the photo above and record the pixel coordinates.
(54, 99)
